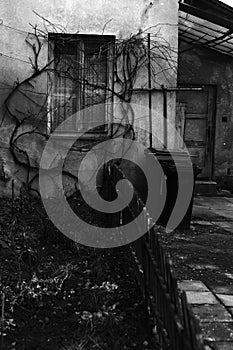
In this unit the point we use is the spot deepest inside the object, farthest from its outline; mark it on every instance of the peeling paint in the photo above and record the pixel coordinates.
(148, 4)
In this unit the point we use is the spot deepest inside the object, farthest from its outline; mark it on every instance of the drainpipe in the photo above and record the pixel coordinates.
(164, 116)
(149, 87)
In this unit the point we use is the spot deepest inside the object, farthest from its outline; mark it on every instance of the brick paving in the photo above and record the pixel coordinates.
(214, 311)
(210, 297)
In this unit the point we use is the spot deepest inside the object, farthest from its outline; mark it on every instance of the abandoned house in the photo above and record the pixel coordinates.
(206, 62)
(61, 59)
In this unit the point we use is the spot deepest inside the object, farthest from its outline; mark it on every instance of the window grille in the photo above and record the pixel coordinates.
(81, 76)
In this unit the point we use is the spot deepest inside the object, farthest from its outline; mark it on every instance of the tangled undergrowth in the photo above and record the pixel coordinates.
(56, 294)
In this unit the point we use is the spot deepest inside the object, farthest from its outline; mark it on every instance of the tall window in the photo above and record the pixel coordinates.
(80, 77)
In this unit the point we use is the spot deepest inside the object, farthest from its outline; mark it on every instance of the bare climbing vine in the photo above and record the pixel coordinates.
(129, 58)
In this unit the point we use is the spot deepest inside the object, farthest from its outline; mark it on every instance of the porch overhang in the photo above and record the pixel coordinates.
(207, 23)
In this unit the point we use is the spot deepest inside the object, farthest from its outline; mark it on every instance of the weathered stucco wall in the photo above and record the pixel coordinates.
(120, 18)
(203, 66)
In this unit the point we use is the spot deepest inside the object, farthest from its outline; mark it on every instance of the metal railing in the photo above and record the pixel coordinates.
(175, 325)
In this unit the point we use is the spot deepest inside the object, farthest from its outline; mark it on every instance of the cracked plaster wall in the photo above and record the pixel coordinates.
(119, 18)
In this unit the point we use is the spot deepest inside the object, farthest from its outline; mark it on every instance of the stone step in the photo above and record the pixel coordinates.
(205, 187)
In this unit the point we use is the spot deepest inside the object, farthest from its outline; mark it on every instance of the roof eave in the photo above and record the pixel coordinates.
(207, 10)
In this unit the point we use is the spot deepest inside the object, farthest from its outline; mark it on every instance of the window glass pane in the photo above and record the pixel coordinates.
(80, 80)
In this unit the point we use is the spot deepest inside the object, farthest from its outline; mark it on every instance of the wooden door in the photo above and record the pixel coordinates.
(199, 126)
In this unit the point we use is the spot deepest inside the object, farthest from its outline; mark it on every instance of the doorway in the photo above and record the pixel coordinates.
(199, 125)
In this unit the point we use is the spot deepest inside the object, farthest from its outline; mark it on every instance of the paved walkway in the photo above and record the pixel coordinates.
(214, 310)
(203, 262)
(214, 210)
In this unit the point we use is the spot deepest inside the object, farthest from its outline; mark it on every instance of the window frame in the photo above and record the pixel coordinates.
(84, 39)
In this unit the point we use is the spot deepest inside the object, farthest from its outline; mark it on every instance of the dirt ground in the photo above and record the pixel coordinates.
(59, 295)
(63, 296)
